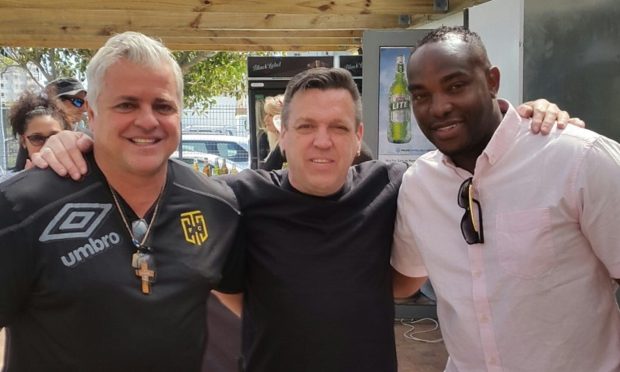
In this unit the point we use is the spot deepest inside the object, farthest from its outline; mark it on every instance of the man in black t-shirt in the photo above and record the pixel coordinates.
(113, 273)
(318, 294)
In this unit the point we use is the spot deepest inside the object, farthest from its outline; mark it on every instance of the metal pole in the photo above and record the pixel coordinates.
(4, 140)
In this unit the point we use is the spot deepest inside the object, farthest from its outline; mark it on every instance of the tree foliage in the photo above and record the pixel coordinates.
(51, 63)
(210, 74)
(206, 74)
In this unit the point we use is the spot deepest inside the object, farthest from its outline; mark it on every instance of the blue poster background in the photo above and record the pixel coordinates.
(393, 151)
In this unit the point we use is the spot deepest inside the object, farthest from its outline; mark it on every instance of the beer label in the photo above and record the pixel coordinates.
(399, 109)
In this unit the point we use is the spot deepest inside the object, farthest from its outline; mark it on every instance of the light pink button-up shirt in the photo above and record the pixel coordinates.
(537, 295)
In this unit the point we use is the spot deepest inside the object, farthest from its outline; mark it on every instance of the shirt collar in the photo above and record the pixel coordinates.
(504, 135)
(286, 185)
(506, 132)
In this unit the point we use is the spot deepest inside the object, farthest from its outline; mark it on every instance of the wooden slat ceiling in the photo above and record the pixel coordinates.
(234, 25)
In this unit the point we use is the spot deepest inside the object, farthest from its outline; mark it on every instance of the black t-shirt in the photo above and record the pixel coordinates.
(69, 296)
(319, 289)
(263, 145)
(20, 161)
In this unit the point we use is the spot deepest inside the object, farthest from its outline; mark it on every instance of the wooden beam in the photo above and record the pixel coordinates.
(267, 48)
(198, 33)
(212, 24)
(217, 45)
(456, 6)
(236, 6)
(109, 21)
(301, 34)
(192, 43)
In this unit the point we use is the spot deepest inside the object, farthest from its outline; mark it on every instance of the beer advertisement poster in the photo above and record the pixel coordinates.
(400, 139)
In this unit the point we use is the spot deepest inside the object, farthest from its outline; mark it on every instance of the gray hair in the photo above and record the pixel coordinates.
(136, 48)
(322, 78)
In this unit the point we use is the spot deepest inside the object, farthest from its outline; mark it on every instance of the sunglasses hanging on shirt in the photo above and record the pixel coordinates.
(471, 227)
(143, 259)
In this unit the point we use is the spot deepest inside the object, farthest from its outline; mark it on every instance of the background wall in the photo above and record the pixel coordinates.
(572, 57)
(500, 25)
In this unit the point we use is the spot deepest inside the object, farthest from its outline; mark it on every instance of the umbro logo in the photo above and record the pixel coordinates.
(75, 220)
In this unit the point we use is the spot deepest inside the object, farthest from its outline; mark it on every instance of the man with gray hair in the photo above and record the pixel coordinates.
(113, 273)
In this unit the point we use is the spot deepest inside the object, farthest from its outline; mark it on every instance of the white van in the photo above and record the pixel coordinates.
(232, 148)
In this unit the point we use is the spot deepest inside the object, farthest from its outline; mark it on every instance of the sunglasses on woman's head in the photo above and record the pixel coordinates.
(75, 101)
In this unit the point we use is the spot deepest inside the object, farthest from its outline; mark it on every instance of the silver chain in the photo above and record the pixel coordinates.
(120, 211)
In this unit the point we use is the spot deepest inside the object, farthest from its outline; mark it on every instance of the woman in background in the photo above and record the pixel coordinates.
(34, 118)
(268, 138)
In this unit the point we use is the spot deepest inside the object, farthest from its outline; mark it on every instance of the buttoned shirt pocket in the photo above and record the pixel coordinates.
(525, 242)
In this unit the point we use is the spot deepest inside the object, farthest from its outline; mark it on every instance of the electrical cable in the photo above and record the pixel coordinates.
(411, 332)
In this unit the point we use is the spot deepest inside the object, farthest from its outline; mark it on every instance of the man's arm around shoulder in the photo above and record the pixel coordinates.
(405, 286)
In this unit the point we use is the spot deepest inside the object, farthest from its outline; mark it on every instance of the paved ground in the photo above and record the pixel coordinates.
(417, 356)
(413, 356)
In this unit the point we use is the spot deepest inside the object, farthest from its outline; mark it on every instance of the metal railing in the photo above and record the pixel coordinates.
(8, 150)
(222, 119)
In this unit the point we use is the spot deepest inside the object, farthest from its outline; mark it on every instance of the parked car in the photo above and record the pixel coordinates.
(206, 130)
(191, 157)
(232, 148)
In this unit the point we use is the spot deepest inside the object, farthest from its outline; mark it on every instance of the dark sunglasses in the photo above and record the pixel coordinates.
(38, 139)
(138, 231)
(471, 228)
(75, 101)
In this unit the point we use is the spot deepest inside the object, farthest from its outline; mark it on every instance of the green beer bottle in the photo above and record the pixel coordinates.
(399, 127)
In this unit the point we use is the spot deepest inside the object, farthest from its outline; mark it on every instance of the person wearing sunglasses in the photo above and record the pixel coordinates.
(518, 233)
(71, 94)
(113, 273)
(33, 119)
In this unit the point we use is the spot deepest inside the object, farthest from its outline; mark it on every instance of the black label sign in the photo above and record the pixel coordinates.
(352, 63)
(285, 66)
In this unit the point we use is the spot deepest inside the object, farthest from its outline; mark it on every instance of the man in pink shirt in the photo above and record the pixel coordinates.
(522, 247)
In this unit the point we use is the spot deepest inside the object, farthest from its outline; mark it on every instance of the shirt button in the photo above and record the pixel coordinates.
(476, 274)
(492, 360)
(484, 319)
